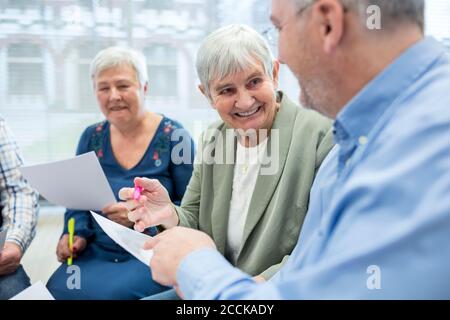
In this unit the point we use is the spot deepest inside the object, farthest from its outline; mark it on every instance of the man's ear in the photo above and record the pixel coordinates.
(330, 15)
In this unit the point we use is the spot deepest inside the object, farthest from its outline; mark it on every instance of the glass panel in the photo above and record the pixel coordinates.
(25, 79)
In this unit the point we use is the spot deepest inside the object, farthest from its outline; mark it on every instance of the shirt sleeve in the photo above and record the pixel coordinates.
(206, 275)
(19, 201)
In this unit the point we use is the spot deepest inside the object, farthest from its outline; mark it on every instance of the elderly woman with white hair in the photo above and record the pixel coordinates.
(254, 213)
(131, 142)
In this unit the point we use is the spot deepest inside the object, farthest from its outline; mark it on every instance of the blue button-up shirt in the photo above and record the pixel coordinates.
(378, 225)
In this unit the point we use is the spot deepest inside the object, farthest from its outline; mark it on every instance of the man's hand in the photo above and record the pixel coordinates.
(10, 258)
(118, 212)
(63, 251)
(170, 247)
(153, 207)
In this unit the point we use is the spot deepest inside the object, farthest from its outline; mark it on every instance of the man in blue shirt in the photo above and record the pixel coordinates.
(378, 224)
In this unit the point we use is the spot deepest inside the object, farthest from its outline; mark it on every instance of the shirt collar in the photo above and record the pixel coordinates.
(359, 116)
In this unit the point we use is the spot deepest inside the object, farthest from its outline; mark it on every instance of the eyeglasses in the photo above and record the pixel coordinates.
(272, 34)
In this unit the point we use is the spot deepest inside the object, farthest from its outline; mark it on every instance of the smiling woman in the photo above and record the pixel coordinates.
(120, 86)
(239, 76)
(120, 96)
(117, 89)
(131, 142)
(246, 100)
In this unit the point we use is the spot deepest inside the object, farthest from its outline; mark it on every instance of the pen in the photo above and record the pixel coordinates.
(137, 192)
(71, 227)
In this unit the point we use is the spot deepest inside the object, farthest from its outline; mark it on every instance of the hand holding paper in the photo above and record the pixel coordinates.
(118, 212)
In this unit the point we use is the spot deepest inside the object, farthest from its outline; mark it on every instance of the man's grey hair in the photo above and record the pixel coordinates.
(117, 56)
(229, 50)
(392, 11)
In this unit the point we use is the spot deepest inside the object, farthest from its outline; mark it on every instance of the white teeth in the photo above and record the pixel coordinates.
(249, 113)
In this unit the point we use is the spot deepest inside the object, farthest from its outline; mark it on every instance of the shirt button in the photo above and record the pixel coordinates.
(362, 140)
(116, 260)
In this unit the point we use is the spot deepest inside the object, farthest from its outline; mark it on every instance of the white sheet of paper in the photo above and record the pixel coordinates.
(77, 183)
(36, 292)
(130, 240)
(3, 231)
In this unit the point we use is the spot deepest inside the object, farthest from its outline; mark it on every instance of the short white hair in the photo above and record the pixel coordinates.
(229, 50)
(116, 56)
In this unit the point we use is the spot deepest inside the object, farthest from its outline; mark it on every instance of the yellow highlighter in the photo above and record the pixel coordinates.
(71, 227)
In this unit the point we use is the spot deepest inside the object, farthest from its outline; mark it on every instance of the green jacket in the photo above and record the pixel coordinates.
(279, 202)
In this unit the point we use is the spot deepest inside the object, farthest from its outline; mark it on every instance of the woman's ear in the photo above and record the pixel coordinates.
(146, 87)
(275, 73)
(203, 91)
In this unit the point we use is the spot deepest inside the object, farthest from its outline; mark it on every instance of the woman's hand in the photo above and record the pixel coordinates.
(118, 212)
(153, 207)
(63, 251)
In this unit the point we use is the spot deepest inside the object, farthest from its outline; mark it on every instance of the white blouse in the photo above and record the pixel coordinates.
(246, 170)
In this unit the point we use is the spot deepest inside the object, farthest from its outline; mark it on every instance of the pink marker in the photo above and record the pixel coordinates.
(137, 192)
